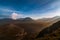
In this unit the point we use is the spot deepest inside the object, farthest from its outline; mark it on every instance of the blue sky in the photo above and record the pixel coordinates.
(30, 8)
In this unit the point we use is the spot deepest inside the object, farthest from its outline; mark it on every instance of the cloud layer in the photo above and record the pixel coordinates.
(30, 8)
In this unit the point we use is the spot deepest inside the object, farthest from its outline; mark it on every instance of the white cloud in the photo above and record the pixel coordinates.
(7, 10)
(52, 13)
(11, 13)
(15, 16)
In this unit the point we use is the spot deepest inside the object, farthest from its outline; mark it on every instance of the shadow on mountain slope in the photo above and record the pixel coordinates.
(50, 31)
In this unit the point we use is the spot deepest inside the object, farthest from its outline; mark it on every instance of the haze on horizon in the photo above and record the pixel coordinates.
(29, 8)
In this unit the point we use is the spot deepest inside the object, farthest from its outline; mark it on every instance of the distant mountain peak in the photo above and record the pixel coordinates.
(56, 17)
(27, 19)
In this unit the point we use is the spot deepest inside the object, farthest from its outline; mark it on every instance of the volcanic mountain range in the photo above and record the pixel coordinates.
(27, 28)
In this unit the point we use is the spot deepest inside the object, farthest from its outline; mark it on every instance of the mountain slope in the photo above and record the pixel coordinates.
(49, 30)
